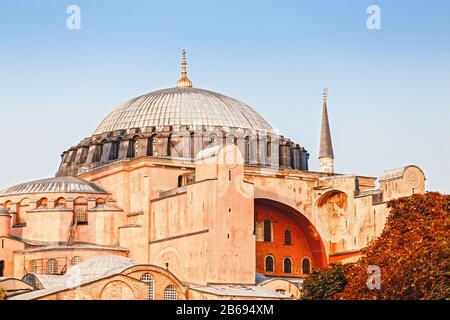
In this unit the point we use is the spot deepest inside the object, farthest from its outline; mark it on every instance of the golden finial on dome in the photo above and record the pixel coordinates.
(184, 82)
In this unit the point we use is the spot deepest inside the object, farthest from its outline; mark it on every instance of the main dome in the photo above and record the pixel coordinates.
(183, 106)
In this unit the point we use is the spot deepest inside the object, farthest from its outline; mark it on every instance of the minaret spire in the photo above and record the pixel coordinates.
(326, 156)
(184, 82)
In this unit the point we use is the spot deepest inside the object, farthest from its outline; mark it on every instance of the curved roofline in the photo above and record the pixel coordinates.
(261, 123)
(54, 185)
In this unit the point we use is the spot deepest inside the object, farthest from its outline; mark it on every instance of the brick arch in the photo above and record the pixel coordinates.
(308, 241)
(117, 290)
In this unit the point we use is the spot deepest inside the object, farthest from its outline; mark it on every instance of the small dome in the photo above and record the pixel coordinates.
(54, 185)
(183, 106)
(99, 266)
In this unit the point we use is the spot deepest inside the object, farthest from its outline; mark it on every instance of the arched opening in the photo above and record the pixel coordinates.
(247, 150)
(287, 237)
(287, 225)
(306, 265)
(76, 260)
(170, 293)
(269, 264)
(80, 207)
(60, 203)
(150, 285)
(52, 266)
(181, 181)
(114, 153)
(131, 152)
(42, 203)
(287, 265)
(98, 151)
(192, 145)
(152, 146)
(33, 266)
(84, 154)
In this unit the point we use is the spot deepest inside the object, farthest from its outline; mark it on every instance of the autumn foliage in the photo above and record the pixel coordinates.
(413, 253)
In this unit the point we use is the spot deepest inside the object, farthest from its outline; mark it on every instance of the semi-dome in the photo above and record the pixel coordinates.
(54, 185)
(99, 266)
(183, 106)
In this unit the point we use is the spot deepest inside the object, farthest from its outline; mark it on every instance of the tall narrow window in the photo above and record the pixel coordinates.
(247, 150)
(306, 265)
(52, 266)
(267, 230)
(114, 154)
(287, 237)
(2, 267)
(287, 265)
(269, 264)
(33, 266)
(170, 293)
(131, 153)
(150, 285)
(98, 153)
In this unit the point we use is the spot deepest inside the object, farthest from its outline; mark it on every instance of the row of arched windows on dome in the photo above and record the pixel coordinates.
(258, 150)
(269, 265)
(170, 293)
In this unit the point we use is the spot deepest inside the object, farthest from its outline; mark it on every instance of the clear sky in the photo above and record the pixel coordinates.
(389, 89)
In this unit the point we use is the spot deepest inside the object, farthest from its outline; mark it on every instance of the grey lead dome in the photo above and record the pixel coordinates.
(183, 106)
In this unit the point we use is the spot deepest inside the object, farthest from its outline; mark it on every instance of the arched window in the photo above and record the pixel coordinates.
(287, 237)
(306, 265)
(287, 265)
(269, 264)
(76, 260)
(152, 146)
(33, 266)
(84, 154)
(170, 293)
(43, 203)
(192, 145)
(267, 230)
(60, 203)
(247, 150)
(131, 153)
(98, 153)
(181, 181)
(52, 266)
(114, 153)
(150, 285)
(81, 210)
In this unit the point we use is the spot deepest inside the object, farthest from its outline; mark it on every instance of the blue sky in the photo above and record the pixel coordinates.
(389, 89)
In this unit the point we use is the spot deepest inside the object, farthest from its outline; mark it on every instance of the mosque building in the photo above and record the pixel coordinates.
(184, 193)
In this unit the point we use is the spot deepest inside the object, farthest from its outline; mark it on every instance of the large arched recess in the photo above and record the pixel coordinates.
(318, 252)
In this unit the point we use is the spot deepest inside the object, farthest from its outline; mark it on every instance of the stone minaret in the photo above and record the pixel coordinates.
(326, 156)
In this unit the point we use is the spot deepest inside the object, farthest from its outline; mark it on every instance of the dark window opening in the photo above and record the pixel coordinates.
(287, 265)
(269, 264)
(114, 154)
(287, 237)
(306, 266)
(267, 231)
